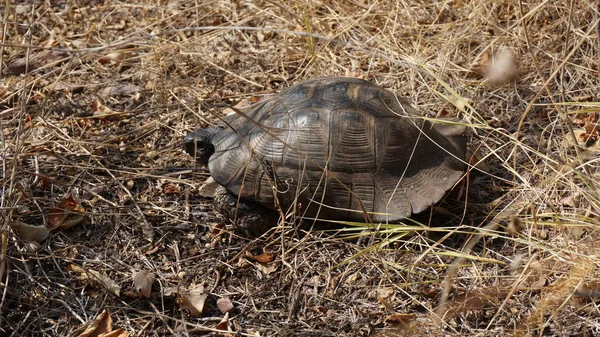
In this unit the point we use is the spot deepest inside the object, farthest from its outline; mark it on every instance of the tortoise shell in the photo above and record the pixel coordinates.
(338, 148)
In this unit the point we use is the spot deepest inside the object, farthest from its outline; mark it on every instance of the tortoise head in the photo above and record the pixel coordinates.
(198, 144)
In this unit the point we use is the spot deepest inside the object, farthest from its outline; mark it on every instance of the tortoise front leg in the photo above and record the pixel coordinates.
(249, 219)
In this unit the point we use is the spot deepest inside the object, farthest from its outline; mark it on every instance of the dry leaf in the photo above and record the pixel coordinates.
(72, 221)
(556, 296)
(267, 268)
(170, 291)
(386, 297)
(503, 68)
(208, 188)
(228, 111)
(105, 281)
(429, 291)
(120, 90)
(217, 230)
(28, 121)
(100, 325)
(142, 281)
(591, 129)
(77, 269)
(583, 118)
(116, 333)
(22, 9)
(262, 258)
(481, 66)
(581, 139)
(404, 319)
(473, 300)
(400, 325)
(57, 216)
(29, 232)
(224, 304)
(573, 201)
(64, 86)
(170, 189)
(101, 111)
(351, 279)
(515, 226)
(20, 65)
(591, 132)
(246, 102)
(111, 57)
(193, 299)
(224, 325)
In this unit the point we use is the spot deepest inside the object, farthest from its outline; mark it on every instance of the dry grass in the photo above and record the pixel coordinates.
(103, 116)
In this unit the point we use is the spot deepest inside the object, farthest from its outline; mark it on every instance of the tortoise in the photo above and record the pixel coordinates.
(329, 148)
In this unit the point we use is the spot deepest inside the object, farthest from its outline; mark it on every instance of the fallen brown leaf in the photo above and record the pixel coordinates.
(115, 333)
(386, 297)
(582, 118)
(100, 325)
(208, 188)
(101, 111)
(429, 291)
(97, 277)
(36, 61)
(266, 268)
(106, 281)
(72, 221)
(143, 280)
(480, 67)
(404, 319)
(473, 300)
(64, 87)
(120, 90)
(77, 269)
(403, 325)
(224, 304)
(170, 291)
(515, 226)
(573, 200)
(113, 57)
(254, 99)
(170, 189)
(217, 230)
(224, 325)
(556, 296)
(193, 299)
(29, 232)
(67, 206)
(262, 258)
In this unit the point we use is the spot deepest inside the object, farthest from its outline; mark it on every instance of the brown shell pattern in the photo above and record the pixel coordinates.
(338, 148)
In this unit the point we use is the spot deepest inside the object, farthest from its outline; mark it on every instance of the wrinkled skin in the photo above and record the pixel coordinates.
(250, 220)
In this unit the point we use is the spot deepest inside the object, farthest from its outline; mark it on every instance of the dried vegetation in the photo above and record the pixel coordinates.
(104, 232)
